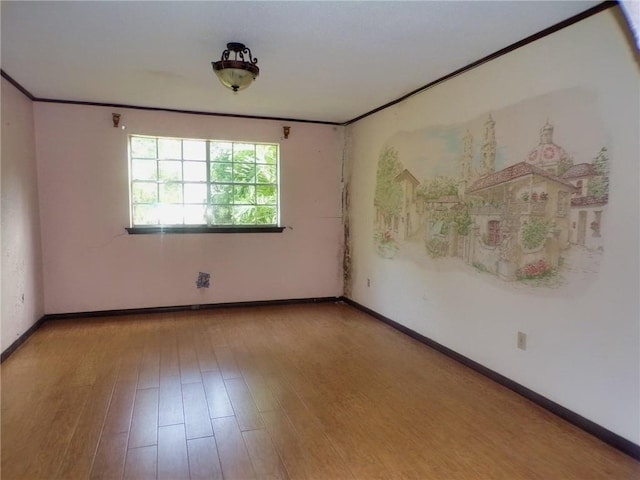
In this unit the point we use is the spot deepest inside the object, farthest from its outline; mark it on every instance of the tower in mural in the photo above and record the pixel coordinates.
(549, 156)
(465, 164)
(488, 149)
(546, 133)
(467, 156)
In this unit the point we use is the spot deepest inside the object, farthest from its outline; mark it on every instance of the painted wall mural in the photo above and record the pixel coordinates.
(519, 193)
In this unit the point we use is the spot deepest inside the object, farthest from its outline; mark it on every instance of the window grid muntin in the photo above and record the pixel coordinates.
(260, 208)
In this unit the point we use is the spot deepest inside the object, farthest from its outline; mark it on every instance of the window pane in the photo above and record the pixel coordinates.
(144, 170)
(244, 215)
(170, 214)
(222, 172)
(266, 195)
(170, 148)
(494, 232)
(142, 147)
(220, 152)
(267, 154)
(222, 215)
(244, 172)
(195, 193)
(266, 173)
(244, 194)
(144, 215)
(144, 192)
(194, 150)
(195, 214)
(244, 152)
(195, 171)
(266, 215)
(170, 192)
(222, 194)
(170, 170)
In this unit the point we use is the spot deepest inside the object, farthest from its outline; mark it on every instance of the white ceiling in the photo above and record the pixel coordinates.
(319, 60)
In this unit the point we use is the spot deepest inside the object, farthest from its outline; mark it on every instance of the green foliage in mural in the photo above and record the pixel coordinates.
(388, 194)
(599, 186)
(457, 216)
(462, 219)
(480, 267)
(438, 187)
(386, 245)
(534, 233)
(437, 247)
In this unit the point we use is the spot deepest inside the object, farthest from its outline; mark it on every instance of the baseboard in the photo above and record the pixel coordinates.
(607, 436)
(21, 339)
(137, 311)
(183, 308)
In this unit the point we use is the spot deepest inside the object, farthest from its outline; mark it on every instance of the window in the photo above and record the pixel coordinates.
(192, 184)
(494, 232)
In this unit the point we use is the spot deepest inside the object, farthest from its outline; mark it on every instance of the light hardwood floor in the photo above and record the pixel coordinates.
(303, 392)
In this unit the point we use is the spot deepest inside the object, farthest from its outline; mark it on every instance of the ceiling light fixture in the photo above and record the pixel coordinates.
(236, 74)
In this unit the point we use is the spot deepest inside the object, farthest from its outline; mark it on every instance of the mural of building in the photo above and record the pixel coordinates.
(516, 222)
(588, 202)
(521, 217)
(522, 214)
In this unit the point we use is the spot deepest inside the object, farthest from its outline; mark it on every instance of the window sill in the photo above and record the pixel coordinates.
(198, 229)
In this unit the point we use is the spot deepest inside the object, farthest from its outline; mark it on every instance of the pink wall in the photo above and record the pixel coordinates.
(91, 263)
(22, 290)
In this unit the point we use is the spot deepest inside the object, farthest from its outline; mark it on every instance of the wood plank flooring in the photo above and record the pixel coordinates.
(295, 392)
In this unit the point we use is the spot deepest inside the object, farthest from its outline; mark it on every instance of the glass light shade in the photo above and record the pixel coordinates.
(235, 78)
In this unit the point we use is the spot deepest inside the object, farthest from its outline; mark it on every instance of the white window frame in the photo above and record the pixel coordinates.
(231, 204)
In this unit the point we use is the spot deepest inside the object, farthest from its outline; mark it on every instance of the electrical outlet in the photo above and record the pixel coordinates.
(522, 341)
(368, 282)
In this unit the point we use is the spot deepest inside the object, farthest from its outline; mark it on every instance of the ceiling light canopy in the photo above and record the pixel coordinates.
(238, 73)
